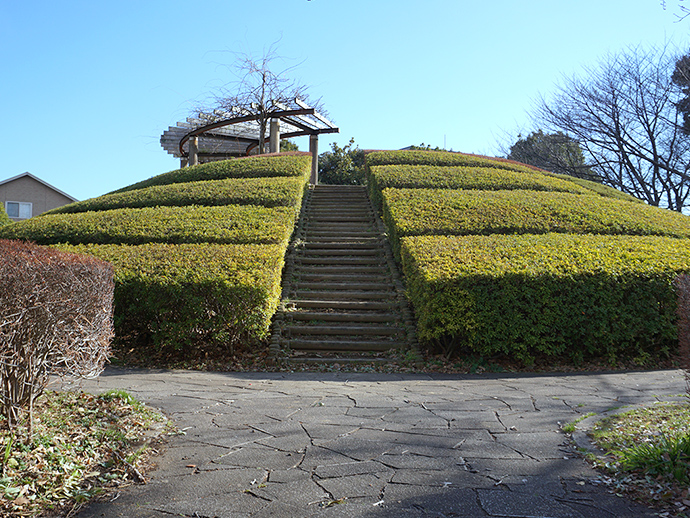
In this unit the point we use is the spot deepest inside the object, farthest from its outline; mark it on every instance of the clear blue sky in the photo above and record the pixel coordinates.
(87, 87)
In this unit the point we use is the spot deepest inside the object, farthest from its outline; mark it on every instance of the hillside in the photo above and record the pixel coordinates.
(504, 259)
(198, 252)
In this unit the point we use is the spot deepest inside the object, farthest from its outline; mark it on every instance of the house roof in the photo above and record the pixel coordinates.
(2, 182)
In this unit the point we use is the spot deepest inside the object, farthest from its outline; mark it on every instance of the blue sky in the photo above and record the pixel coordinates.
(87, 87)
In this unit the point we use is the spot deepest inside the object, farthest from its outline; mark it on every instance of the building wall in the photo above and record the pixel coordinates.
(26, 189)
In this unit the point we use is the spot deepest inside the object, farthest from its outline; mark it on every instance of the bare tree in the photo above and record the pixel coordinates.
(259, 90)
(624, 116)
(684, 9)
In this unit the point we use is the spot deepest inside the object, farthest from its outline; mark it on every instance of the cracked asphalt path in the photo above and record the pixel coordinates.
(376, 445)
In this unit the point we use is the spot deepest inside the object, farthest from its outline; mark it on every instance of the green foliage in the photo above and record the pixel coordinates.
(176, 297)
(288, 145)
(442, 159)
(553, 152)
(4, 218)
(192, 224)
(267, 192)
(554, 295)
(599, 188)
(464, 177)
(342, 165)
(461, 212)
(296, 164)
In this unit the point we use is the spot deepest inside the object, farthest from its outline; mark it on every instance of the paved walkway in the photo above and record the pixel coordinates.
(372, 445)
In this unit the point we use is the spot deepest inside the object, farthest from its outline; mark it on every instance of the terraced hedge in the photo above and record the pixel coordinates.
(197, 252)
(443, 159)
(463, 177)
(498, 262)
(552, 295)
(470, 212)
(266, 192)
(284, 164)
(192, 295)
(193, 224)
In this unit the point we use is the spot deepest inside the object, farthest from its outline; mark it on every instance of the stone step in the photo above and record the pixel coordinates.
(343, 330)
(340, 246)
(341, 252)
(344, 305)
(338, 277)
(345, 295)
(354, 269)
(343, 285)
(339, 260)
(341, 317)
(344, 345)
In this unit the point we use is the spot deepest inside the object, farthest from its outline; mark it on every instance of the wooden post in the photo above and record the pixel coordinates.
(274, 142)
(193, 151)
(314, 150)
(184, 162)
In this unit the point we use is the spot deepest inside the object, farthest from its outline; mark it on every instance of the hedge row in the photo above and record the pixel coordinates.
(463, 177)
(464, 212)
(553, 295)
(267, 192)
(174, 297)
(192, 224)
(599, 188)
(443, 159)
(285, 164)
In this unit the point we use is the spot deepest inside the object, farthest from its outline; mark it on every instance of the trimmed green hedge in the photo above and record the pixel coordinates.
(443, 159)
(267, 192)
(553, 295)
(173, 297)
(462, 177)
(463, 212)
(599, 188)
(288, 164)
(193, 224)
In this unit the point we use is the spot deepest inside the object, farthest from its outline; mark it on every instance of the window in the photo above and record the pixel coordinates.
(18, 209)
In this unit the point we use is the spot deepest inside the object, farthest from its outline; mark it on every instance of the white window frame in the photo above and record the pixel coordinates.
(24, 209)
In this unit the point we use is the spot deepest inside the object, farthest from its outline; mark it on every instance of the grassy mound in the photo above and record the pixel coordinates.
(505, 259)
(197, 252)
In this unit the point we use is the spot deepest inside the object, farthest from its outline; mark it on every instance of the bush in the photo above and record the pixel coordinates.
(554, 295)
(55, 317)
(462, 177)
(342, 166)
(192, 224)
(182, 298)
(267, 192)
(443, 159)
(290, 164)
(599, 188)
(4, 218)
(453, 212)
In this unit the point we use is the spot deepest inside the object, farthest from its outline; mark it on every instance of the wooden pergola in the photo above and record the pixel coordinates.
(221, 135)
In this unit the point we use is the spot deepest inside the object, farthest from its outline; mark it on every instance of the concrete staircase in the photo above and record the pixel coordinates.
(342, 294)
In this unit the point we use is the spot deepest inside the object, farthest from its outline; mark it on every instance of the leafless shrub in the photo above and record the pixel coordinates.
(55, 318)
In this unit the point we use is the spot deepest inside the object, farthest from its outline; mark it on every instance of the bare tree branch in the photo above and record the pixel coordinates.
(624, 116)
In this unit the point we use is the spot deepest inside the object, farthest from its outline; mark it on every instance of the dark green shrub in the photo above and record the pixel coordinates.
(289, 164)
(553, 295)
(192, 224)
(267, 192)
(342, 166)
(200, 296)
